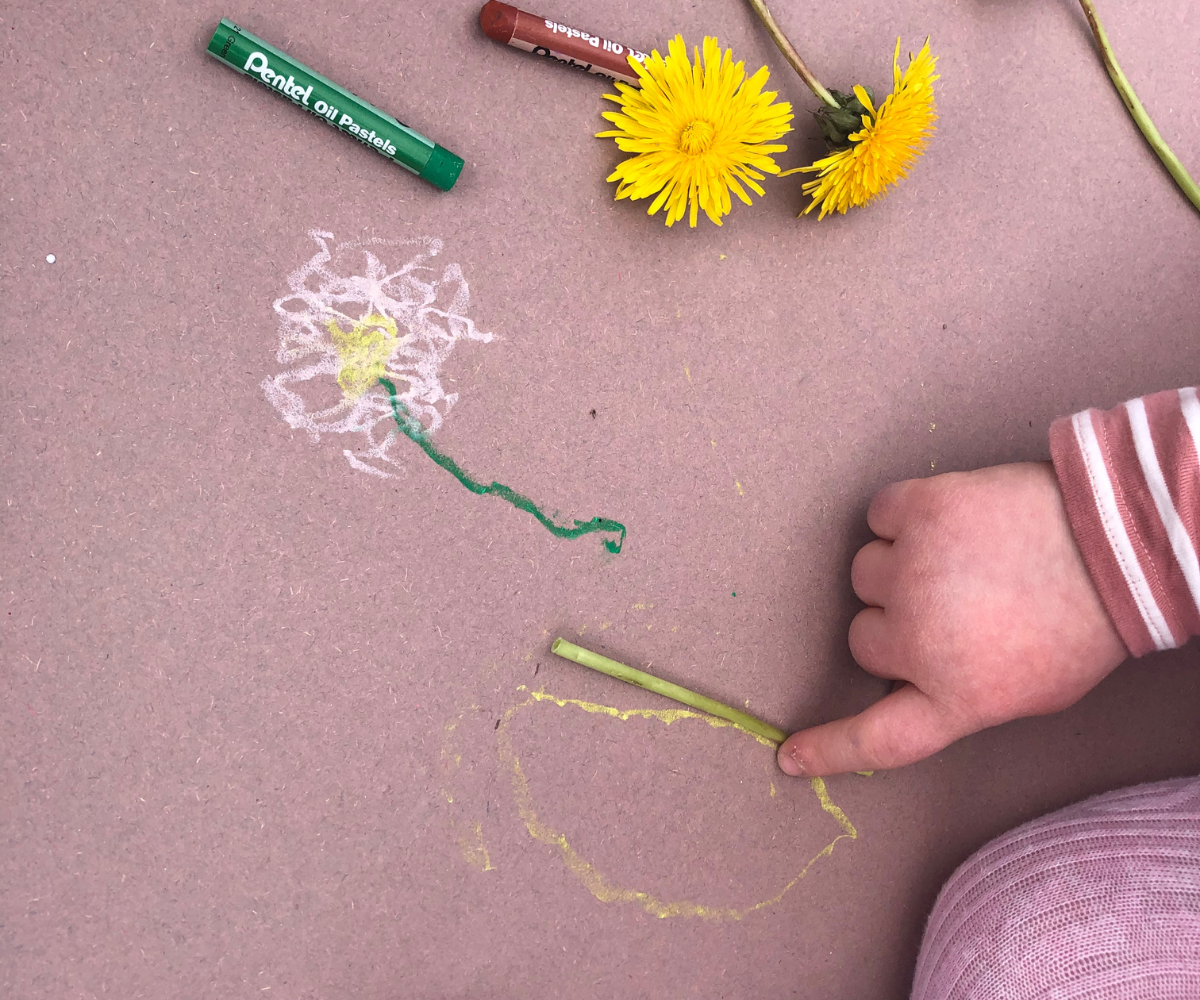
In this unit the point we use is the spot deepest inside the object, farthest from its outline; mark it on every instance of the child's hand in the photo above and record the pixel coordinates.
(980, 601)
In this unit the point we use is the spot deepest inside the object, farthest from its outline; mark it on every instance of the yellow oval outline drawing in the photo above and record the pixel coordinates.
(593, 880)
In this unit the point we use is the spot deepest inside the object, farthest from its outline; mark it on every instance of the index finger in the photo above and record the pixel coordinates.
(901, 728)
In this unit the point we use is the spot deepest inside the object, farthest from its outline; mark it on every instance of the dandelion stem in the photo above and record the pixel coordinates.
(641, 679)
(1169, 159)
(790, 53)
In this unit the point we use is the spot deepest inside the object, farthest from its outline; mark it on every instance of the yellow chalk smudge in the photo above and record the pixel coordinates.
(594, 881)
(843, 820)
(474, 850)
(663, 715)
(451, 760)
(364, 351)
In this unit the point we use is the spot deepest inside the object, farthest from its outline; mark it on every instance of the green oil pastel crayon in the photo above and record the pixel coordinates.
(333, 104)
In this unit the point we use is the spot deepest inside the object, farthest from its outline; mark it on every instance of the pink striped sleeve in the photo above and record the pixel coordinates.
(1131, 480)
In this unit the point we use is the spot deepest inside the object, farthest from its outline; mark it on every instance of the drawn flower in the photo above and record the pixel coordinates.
(697, 132)
(369, 331)
(358, 312)
(880, 153)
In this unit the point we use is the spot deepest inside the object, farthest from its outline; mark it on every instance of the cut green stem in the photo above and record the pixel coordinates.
(790, 53)
(1169, 159)
(639, 678)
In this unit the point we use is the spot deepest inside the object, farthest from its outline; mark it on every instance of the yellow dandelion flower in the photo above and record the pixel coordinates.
(891, 139)
(697, 132)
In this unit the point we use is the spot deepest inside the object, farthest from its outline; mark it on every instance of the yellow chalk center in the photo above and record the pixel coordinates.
(364, 351)
(697, 137)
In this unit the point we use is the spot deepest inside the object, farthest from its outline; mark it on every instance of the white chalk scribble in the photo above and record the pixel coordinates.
(359, 311)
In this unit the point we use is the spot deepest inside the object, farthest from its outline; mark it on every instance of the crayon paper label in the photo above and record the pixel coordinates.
(575, 48)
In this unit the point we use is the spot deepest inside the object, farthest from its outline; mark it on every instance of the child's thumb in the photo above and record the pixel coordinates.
(901, 728)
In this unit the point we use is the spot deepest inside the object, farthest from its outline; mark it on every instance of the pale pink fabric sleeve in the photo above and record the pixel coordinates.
(1131, 480)
(1098, 901)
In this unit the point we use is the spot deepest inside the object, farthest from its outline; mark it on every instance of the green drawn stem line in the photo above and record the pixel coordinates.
(415, 433)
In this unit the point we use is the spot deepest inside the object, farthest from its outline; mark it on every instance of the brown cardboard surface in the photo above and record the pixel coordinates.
(262, 710)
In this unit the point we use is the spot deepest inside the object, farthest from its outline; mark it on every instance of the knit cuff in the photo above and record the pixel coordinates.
(1128, 478)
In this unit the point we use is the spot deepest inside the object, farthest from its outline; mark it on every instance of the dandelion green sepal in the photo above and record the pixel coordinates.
(639, 678)
(893, 135)
(837, 124)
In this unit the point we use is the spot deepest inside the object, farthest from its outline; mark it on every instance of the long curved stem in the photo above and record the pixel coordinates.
(414, 432)
(1169, 159)
(790, 53)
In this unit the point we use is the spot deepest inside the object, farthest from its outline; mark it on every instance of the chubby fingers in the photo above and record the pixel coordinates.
(874, 646)
(873, 572)
(901, 728)
(889, 508)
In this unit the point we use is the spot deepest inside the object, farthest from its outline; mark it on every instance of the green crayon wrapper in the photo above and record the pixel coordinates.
(334, 105)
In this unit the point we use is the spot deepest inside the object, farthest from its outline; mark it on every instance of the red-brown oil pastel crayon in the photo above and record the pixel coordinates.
(569, 46)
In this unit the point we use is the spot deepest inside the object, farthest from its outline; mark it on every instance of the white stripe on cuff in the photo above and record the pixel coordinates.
(1191, 414)
(1114, 530)
(1181, 544)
